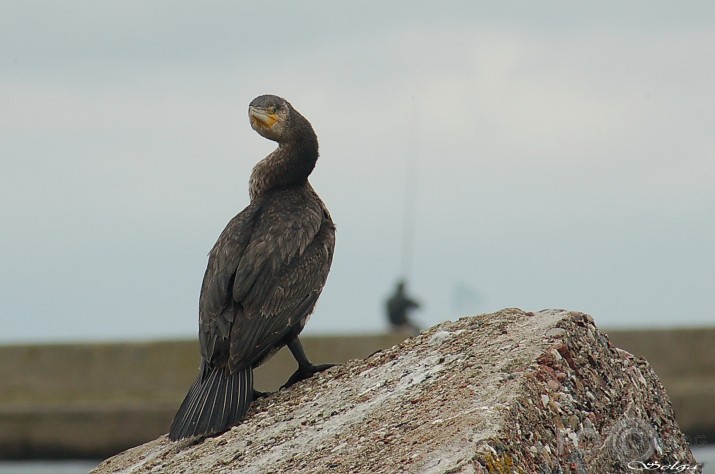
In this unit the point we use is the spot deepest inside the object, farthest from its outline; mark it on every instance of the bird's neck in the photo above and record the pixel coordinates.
(288, 165)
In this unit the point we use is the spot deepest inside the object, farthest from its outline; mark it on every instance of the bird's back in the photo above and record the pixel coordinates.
(265, 273)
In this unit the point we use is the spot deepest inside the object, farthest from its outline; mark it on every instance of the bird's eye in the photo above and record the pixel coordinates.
(271, 109)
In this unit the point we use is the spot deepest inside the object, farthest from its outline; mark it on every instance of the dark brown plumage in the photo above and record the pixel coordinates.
(264, 276)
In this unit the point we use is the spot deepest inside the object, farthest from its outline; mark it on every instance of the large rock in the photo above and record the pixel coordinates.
(503, 392)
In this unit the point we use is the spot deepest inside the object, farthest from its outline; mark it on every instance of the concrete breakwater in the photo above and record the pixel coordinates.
(94, 400)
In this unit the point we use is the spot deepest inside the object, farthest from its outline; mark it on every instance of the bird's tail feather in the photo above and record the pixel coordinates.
(216, 401)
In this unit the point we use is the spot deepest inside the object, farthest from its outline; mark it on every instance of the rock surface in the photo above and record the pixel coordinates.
(503, 392)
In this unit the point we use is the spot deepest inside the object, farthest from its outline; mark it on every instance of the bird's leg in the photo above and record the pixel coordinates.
(305, 367)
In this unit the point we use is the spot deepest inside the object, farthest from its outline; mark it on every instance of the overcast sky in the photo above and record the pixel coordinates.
(560, 155)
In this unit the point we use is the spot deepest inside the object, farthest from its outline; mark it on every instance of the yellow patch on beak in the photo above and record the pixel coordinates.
(260, 118)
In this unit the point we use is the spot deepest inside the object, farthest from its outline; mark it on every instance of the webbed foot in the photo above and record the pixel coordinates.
(306, 371)
(257, 394)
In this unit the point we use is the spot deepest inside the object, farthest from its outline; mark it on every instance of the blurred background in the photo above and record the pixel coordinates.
(509, 154)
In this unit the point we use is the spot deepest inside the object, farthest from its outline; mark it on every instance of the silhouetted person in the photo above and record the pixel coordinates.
(398, 306)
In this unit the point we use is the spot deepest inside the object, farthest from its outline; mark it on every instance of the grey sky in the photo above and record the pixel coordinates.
(565, 156)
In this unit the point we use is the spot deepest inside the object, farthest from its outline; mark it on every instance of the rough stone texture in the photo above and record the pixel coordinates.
(503, 392)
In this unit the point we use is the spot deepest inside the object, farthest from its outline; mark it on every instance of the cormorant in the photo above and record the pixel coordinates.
(263, 278)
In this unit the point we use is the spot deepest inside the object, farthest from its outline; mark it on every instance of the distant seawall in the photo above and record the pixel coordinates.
(94, 400)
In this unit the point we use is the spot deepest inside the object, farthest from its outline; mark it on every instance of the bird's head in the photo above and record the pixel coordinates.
(271, 117)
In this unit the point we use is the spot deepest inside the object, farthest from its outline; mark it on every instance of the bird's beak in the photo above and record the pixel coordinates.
(260, 118)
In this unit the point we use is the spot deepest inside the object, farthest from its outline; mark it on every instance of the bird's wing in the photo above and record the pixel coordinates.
(258, 288)
(287, 302)
(216, 300)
